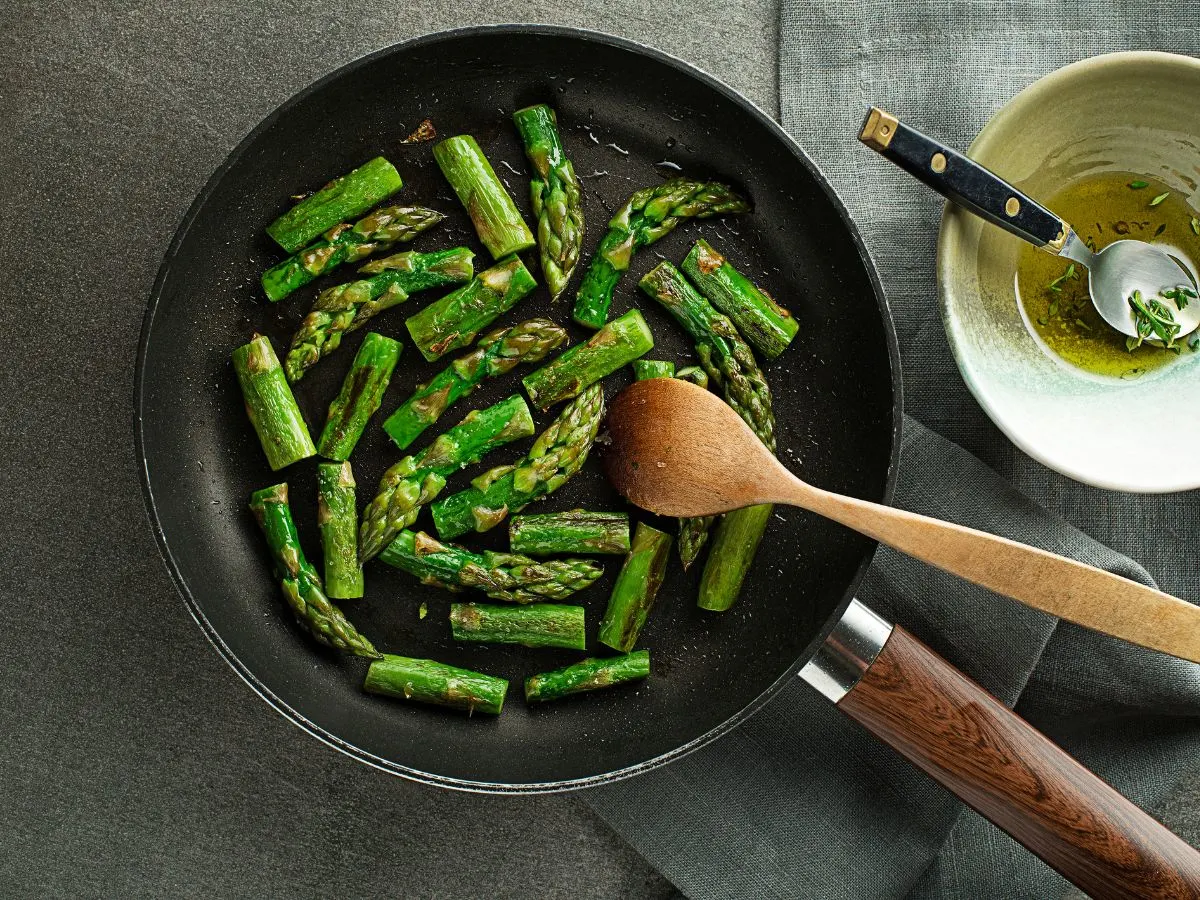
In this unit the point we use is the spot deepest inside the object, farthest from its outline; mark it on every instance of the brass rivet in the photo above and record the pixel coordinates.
(885, 130)
(938, 163)
(1012, 206)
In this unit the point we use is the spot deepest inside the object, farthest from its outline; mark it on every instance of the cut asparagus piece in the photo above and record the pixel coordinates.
(346, 244)
(492, 211)
(648, 215)
(618, 343)
(588, 675)
(502, 576)
(454, 320)
(730, 362)
(346, 307)
(556, 455)
(734, 545)
(637, 586)
(339, 201)
(695, 375)
(270, 405)
(416, 480)
(496, 354)
(337, 517)
(427, 681)
(577, 531)
(554, 191)
(764, 323)
(645, 369)
(536, 625)
(299, 580)
(361, 393)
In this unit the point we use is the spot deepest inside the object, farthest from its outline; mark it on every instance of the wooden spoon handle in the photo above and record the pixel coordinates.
(1063, 587)
(1001, 766)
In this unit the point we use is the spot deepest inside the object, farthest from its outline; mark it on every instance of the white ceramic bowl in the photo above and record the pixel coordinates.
(1139, 112)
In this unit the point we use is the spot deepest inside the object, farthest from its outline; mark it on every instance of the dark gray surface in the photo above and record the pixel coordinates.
(134, 761)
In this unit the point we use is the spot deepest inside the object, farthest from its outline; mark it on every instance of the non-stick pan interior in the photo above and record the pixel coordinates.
(629, 118)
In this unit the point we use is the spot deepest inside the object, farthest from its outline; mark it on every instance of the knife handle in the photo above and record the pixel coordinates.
(962, 180)
(1002, 767)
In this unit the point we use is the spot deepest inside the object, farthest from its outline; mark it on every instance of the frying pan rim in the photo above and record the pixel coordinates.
(223, 649)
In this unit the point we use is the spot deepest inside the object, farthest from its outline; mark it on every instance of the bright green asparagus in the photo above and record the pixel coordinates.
(502, 576)
(361, 393)
(557, 454)
(454, 320)
(764, 323)
(645, 369)
(730, 362)
(427, 681)
(695, 375)
(299, 580)
(577, 531)
(337, 517)
(347, 243)
(270, 405)
(416, 480)
(339, 201)
(637, 586)
(495, 354)
(554, 191)
(492, 211)
(648, 215)
(616, 344)
(588, 675)
(347, 307)
(536, 625)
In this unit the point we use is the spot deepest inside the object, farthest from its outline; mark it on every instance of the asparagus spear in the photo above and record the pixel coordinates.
(616, 344)
(648, 215)
(496, 354)
(764, 323)
(343, 198)
(270, 405)
(338, 520)
(536, 625)
(347, 243)
(637, 586)
(728, 360)
(361, 393)
(557, 454)
(645, 369)
(427, 681)
(454, 320)
(554, 191)
(502, 576)
(491, 209)
(347, 307)
(299, 580)
(577, 531)
(588, 675)
(416, 480)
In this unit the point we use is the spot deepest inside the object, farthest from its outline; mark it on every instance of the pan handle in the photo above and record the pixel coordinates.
(997, 763)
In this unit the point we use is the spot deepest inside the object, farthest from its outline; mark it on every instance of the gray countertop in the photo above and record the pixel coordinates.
(135, 763)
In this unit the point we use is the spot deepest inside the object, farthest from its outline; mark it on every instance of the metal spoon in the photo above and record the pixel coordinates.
(1114, 273)
(679, 450)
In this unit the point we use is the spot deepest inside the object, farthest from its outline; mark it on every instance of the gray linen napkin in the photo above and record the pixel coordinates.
(799, 802)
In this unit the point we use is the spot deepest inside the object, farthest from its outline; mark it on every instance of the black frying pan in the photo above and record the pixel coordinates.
(629, 116)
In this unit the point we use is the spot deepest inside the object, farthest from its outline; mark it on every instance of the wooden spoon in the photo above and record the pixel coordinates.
(679, 450)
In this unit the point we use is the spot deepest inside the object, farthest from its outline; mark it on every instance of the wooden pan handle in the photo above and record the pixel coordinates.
(1002, 767)
(1055, 584)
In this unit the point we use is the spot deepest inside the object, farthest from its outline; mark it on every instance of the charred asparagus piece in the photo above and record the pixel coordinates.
(361, 393)
(577, 531)
(637, 586)
(616, 344)
(337, 517)
(491, 209)
(427, 681)
(588, 675)
(270, 405)
(536, 625)
(645, 369)
(339, 201)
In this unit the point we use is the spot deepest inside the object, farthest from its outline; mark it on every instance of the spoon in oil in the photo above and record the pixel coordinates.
(679, 450)
(1121, 271)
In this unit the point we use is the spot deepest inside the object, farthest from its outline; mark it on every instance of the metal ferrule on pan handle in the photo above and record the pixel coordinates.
(848, 652)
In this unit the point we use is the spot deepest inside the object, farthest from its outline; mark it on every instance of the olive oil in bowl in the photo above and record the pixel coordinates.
(1053, 291)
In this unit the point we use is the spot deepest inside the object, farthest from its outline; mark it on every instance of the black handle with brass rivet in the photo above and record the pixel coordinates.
(962, 180)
